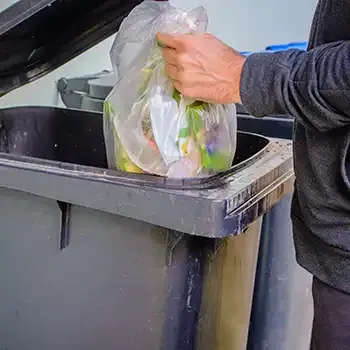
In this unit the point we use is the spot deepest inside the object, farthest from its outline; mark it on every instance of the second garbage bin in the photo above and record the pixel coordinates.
(282, 311)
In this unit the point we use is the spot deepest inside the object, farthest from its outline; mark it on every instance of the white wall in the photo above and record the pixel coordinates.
(254, 24)
(246, 25)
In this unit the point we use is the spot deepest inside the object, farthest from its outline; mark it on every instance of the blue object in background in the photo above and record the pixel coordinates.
(276, 48)
(301, 45)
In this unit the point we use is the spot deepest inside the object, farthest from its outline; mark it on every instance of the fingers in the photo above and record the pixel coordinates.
(172, 71)
(167, 40)
(177, 61)
(182, 81)
(177, 86)
(170, 56)
(186, 91)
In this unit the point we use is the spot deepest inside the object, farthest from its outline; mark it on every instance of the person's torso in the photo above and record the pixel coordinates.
(322, 160)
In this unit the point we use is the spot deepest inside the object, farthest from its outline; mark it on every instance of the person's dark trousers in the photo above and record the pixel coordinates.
(331, 326)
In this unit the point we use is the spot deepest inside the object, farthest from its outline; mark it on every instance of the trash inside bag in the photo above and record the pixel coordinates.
(149, 126)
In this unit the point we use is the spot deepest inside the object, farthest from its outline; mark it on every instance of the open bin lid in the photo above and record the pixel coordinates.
(38, 36)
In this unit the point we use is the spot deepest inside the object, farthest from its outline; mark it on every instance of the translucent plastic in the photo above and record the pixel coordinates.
(149, 126)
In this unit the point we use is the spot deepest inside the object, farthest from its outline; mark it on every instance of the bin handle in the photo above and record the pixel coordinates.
(73, 90)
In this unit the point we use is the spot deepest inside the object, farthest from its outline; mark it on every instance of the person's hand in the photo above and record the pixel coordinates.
(202, 67)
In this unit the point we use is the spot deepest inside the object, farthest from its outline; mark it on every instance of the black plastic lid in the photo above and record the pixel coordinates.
(38, 36)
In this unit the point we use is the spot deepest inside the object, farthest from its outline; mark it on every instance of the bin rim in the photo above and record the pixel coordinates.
(113, 176)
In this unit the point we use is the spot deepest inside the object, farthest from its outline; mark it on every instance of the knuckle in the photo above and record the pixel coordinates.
(185, 44)
(168, 68)
(166, 54)
(186, 91)
(177, 86)
(182, 77)
(182, 58)
(169, 56)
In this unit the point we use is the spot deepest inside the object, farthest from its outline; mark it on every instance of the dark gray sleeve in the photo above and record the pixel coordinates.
(313, 86)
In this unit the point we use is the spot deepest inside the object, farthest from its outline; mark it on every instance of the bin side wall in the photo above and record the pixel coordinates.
(107, 288)
(228, 291)
(119, 282)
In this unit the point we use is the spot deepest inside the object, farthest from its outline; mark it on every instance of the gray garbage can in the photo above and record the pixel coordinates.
(97, 259)
(93, 258)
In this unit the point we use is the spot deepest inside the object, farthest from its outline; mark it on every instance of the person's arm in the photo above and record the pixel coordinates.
(312, 86)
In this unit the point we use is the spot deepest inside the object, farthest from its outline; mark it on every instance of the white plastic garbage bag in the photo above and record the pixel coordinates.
(149, 126)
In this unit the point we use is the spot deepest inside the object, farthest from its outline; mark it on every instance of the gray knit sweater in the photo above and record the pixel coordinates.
(314, 87)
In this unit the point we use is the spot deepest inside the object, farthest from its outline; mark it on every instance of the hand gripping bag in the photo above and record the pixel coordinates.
(149, 126)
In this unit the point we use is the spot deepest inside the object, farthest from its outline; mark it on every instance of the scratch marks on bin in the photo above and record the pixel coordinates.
(31, 54)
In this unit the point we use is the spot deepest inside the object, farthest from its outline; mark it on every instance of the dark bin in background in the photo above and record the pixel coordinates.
(97, 259)
(282, 308)
(86, 92)
(282, 305)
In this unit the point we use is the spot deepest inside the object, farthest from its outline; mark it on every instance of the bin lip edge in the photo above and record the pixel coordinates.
(129, 202)
(117, 177)
(220, 224)
(111, 176)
